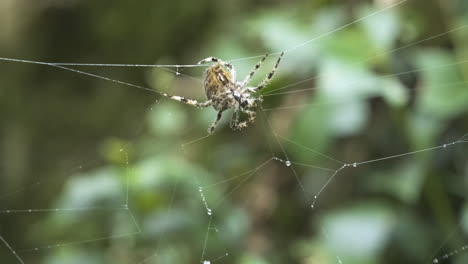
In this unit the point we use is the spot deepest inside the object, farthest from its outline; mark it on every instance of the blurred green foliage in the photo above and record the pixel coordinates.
(392, 83)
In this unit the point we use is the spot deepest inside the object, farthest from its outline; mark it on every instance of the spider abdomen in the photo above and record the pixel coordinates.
(217, 83)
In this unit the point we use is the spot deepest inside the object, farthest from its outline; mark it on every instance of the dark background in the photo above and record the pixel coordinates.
(71, 141)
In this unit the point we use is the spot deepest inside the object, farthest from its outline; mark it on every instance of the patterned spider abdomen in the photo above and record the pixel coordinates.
(217, 82)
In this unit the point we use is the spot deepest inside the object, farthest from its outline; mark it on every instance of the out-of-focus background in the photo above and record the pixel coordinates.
(92, 171)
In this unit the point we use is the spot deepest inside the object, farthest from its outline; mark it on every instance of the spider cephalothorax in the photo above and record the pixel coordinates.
(224, 92)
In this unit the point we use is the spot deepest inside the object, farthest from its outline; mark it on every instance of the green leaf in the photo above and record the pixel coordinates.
(383, 29)
(443, 92)
(404, 181)
(358, 233)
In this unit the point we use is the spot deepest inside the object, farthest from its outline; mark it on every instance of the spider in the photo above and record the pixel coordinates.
(225, 92)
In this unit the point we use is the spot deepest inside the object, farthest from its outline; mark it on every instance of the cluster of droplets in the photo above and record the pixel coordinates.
(202, 195)
(215, 260)
(288, 163)
(450, 254)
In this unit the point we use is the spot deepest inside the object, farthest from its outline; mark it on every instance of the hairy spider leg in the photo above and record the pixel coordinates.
(188, 101)
(251, 116)
(270, 75)
(235, 123)
(254, 70)
(215, 123)
(214, 59)
(222, 63)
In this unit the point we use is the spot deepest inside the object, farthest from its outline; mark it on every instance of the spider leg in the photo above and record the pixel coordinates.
(222, 63)
(234, 124)
(215, 123)
(251, 74)
(188, 101)
(214, 59)
(251, 116)
(270, 75)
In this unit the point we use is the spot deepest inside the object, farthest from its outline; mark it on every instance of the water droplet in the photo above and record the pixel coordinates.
(435, 261)
(177, 71)
(209, 212)
(200, 189)
(354, 164)
(288, 163)
(120, 150)
(313, 202)
(206, 262)
(445, 145)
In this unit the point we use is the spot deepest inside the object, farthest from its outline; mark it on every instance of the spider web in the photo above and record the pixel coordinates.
(277, 155)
